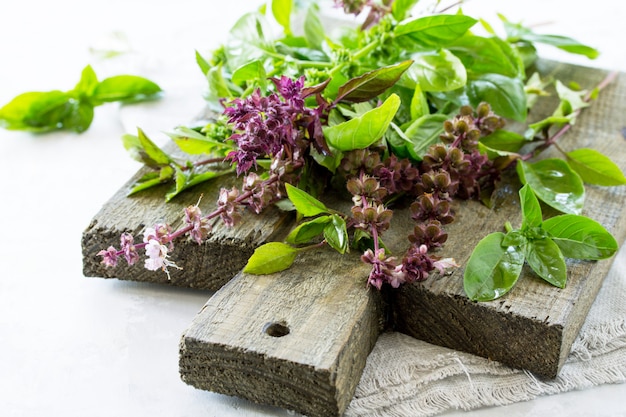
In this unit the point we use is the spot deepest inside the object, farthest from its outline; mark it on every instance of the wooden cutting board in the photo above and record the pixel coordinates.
(299, 339)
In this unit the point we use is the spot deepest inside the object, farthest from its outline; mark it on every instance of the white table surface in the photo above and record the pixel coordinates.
(72, 346)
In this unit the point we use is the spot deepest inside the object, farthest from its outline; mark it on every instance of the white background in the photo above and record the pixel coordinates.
(72, 346)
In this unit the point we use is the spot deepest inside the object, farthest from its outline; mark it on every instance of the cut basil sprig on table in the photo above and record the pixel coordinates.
(496, 262)
(74, 109)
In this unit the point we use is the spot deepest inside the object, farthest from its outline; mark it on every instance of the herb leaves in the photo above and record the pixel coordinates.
(73, 110)
(496, 262)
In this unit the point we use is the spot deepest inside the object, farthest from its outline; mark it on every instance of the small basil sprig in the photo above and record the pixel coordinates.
(74, 109)
(496, 262)
(278, 256)
(558, 183)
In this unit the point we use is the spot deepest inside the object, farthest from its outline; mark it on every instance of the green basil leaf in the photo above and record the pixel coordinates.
(142, 149)
(506, 95)
(435, 31)
(218, 87)
(148, 180)
(270, 257)
(595, 168)
(313, 29)
(482, 55)
(203, 64)
(517, 32)
(363, 131)
(167, 173)
(133, 147)
(250, 72)
(247, 40)
(336, 234)
(492, 270)
(419, 103)
(305, 203)
(87, 84)
(580, 237)
(180, 182)
(80, 116)
(554, 183)
(565, 43)
(401, 8)
(281, 10)
(573, 100)
(440, 71)
(531, 211)
(194, 143)
(36, 111)
(504, 140)
(153, 152)
(192, 179)
(371, 84)
(306, 231)
(125, 88)
(424, 132)
(546, 259)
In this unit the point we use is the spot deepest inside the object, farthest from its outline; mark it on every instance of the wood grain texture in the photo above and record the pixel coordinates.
(533, 326)
(237, 344)
(206, 266)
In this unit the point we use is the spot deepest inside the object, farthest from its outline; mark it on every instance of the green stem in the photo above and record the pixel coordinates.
(313, 246)
(361, 53)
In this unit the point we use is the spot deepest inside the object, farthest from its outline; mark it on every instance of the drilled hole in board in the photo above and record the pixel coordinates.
(276, 329)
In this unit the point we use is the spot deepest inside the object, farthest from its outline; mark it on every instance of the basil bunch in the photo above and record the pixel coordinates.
(397, 84)
(74, 109)
(421, 70)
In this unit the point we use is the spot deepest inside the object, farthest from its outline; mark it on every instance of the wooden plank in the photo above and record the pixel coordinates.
(297, 339)
(534, 326)
(206, 266)
(300, 339)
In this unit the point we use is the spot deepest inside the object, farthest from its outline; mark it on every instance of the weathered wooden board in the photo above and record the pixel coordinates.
(207, 266)
(298, 339)
(333, 320)
(534, 326)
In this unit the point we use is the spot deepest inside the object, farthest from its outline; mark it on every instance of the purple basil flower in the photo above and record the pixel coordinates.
(291, 91)
(227, 202)
(109, 256)
(201, 226)
(157, 257)
(384, 270)
(128, 248)
(269, 126)
(417, 264)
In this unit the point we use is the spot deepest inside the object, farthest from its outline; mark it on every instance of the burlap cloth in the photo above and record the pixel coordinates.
(408, 377)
